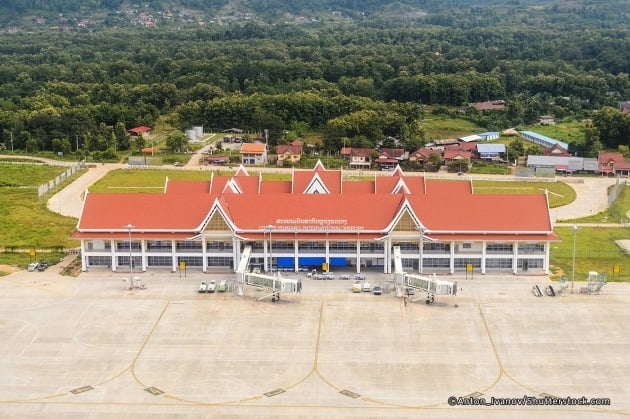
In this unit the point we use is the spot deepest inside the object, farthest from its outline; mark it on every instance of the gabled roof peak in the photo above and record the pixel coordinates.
(398, 171)
(319, 166)
(316, 186)
(241, 171)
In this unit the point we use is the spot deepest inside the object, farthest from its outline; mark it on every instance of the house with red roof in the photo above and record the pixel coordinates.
(253, 153)
(143, 130)
(289, 153)
(316, 217)
(358, 158)
(389, 158)
(556, 150)
(612, 163)
(421, 155)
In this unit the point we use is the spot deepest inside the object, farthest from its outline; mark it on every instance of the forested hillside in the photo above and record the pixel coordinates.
(355, 82)
(464, 13)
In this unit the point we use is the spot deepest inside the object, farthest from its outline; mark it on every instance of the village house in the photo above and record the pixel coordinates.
(289, 153)
(254, 153)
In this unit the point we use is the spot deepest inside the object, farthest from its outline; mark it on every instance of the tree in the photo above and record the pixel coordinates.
(121, 137)
(176, 141)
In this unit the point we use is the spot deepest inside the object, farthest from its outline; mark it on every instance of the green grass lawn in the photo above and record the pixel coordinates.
(27, 175)
(26, 221)
(595, 250)
(563, 131)
(442, 127)
(559, 193)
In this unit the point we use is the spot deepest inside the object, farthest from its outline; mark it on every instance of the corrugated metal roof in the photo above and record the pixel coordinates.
(543, 138)
(491, 148)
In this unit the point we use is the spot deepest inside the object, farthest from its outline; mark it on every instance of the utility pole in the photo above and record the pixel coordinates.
(11, 132)
(76, 137)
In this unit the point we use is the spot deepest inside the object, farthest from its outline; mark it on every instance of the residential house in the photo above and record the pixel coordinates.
(546, 120)
(421, 155)
(138, 131)
(455, 155)
(254, 153)
(555, 150)
(613, 164)
(358, 158)
(493, 152)
(289, 153)
(389, 158)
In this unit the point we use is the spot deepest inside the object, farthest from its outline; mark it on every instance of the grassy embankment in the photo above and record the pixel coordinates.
(26, 222)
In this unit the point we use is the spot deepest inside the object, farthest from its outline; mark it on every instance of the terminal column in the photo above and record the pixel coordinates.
(112, 250)
(515, 258)
(483, 257)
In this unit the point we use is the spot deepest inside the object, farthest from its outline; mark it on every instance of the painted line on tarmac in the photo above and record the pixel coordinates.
(144, 344)
(503, 372)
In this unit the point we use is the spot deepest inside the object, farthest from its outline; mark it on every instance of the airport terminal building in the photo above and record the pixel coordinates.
(317, 219)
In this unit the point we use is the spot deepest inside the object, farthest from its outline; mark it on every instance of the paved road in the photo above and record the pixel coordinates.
(69, 201)
(592, 197)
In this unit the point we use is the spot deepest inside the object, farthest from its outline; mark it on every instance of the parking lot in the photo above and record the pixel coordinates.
(90, 347)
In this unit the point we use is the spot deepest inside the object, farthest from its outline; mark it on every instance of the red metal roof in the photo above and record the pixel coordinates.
(162, 235)
(364, 206)
(484, 213)
(140, 130)
(164, 212)
(187, 187)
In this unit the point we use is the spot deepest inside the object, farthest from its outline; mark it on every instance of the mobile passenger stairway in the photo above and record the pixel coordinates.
(273, 284)
(405, 282)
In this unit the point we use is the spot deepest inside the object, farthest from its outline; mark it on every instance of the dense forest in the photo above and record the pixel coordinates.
(356, 81)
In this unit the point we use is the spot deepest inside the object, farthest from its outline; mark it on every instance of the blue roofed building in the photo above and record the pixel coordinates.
(491, 151)
(542, 140)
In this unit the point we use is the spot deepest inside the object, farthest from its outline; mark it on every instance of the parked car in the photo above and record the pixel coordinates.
(202, 287)
(344, 276)
(367, 287)
(212, 286)
(377, 290)
(356, 287)
(222, 286)
(33, 266)
(359, 277)
(44, 263)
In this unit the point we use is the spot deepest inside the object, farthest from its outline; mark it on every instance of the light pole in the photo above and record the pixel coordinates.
(422, 230)
(270, 228)
(575, 229)
(129, 227)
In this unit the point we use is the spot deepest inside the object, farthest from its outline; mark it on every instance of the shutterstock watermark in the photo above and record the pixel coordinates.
(529, 401)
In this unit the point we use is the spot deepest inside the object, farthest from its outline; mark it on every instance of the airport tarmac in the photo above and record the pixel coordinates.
(89, 347)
